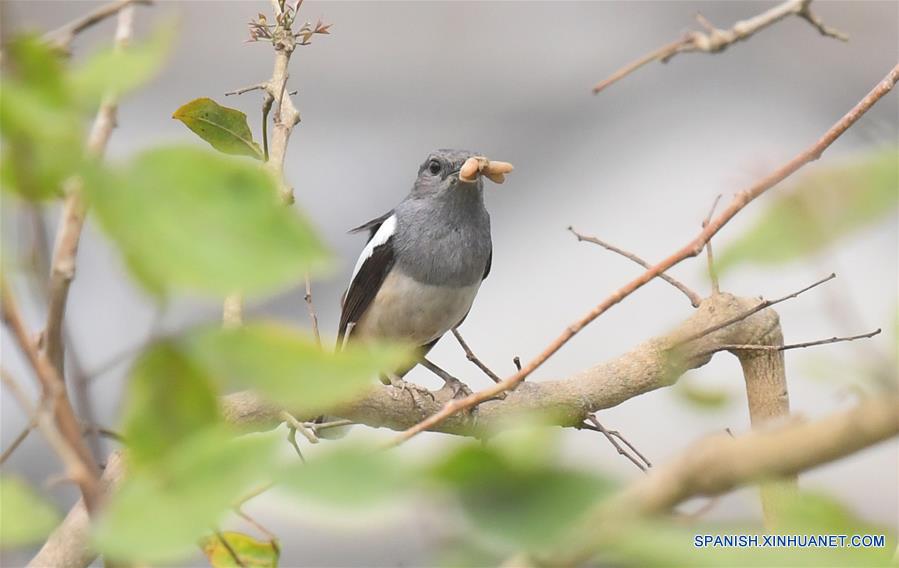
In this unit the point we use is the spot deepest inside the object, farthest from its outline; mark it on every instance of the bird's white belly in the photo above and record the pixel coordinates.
(408, 310)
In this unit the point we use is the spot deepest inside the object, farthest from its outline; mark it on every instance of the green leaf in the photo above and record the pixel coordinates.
(251, 552)
(159, 513)
(195, 220)
(820, 208)
(526, 506)
(350, 477)
(224, 128)
(169, 399)
(654, 543)
(26, 517)
(117, 71)
(708, 398)
(288, 367)
(42, 131)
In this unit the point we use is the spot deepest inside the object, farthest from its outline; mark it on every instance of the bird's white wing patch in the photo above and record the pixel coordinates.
(385, 231)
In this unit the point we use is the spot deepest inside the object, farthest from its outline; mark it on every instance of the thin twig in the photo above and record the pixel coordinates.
(18, 440)
(710, 256)
(695, 299)
(757, 308)
(796, 345)
(267, 101)
(231, 551)
(313, 317)
(592, 423)
(691, 249)
(273, 538)
(62, 37)
(715, 40)
(469, 354)
(242, 90)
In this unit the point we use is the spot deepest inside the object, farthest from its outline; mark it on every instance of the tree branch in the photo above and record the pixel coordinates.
(691, 249)
(721, 463)
(71, 222)
(64, 36)
(715, 40)
(64, 429)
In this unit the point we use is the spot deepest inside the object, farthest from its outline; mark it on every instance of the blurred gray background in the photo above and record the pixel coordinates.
(638, 165)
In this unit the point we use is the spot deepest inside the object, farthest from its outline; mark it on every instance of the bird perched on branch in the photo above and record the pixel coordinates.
(418, 275)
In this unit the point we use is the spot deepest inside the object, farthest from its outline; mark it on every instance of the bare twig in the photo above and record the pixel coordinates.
(757, 308)
(71, 221)
(695, 299)
(64, 36)
(242, 90)
(710, 256)
(715, 40)
(691, 249)
(797, 345)
(592, 423)
(286, 116)
(17, 441)
(469, 354)
(273, 538)
(313, 317)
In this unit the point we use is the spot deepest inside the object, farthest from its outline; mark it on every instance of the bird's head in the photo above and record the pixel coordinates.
(447, 171)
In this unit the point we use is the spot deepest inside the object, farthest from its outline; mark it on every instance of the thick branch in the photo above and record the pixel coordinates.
(651, 365)
(769, 399)
(717, 465)
(691, 249)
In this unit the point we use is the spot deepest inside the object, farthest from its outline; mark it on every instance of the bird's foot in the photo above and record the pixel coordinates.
(415, 392)
(449, 382)
(458, 388)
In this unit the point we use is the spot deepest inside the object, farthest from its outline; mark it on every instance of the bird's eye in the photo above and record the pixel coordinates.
(434, 167)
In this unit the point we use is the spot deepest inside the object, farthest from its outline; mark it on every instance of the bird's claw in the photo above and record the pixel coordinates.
(457, 387)
(413, 390)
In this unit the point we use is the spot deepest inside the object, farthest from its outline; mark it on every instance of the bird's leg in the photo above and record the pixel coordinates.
(452, 382)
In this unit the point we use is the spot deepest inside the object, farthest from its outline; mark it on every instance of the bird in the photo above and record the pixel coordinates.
(425, 259)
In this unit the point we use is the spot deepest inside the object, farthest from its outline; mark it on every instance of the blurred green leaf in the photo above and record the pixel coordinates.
(42, 131)
(27, 518)
(169, 399)
(523, 507)
(196, 220)
(288, 367)
(224, 128)
(350, 477)
(659, 544)
(703, 397)
(251, 552)
(820, 208)
(160, 513)
(115, 71)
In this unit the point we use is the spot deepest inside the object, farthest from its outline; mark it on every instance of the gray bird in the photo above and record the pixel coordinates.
(424, 262)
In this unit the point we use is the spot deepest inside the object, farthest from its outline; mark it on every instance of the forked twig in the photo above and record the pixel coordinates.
(695, 299)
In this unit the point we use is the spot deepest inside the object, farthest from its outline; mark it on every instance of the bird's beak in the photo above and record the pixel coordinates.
(479, 165)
